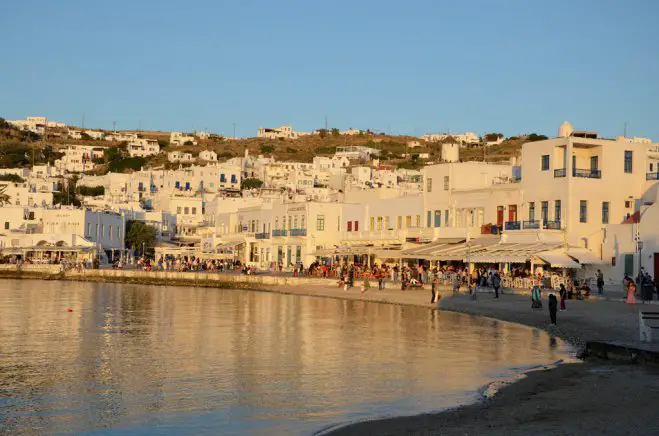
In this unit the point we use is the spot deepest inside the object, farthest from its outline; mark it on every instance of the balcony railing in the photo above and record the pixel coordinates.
(298, 232)
(513, 225)
(531, 224)
(264, 235)
(279, 232)
(560, 172)
(552, 225)
(587, 173)
(652, 176)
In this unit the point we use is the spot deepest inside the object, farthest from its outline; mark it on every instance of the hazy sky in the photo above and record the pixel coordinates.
(510, 66)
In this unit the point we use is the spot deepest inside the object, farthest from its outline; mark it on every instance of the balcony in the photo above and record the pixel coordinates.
(278, 232)
(532, 225)
(298, 232)
(652, 176)
(561, 172)
(552, 225)
(264, 235)
(587, 174)
(513, 225)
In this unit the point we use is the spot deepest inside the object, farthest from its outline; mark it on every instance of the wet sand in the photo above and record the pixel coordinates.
(593, 397)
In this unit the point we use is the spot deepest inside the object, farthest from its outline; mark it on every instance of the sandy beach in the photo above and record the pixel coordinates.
(593, 397)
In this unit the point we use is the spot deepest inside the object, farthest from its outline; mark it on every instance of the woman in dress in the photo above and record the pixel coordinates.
(631, 290)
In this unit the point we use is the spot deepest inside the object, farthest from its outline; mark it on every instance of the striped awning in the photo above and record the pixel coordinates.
(584, 256)
(511, 253)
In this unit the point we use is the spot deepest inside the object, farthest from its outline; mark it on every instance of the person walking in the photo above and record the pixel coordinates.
(435, 294)
(563, 295)
(600, 282)
(496, 283)
(553, 305)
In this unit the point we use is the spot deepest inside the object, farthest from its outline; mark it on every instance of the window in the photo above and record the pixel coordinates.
(583, 211)
(651, 167)
(429, 185)
(557, 210)
(399, 222)
(544, 210)
(186, 210)
(233, 178)
(446, 180)
(438, 218)
(372, 224)
(629, 155)
(290, 222)
(387, 223)
(295, 222)
(605, 212)
(276, 223)
(531, 211)
(545, 162)
(194, 211)
(446, 218)
(350, 226)
(428, 219)
(223, 178)
(356, 226)
(110, 232)
(6, 225)
(594, 162)
(303, 224)
(417, 221)
(380, 222)
(408, 221)
(320, 222)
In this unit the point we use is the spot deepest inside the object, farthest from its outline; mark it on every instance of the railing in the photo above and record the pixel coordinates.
(513, 225)
(561, 172)
(264, 235)
(531, 224)
(298, 232)
(278, 232)
(652, 176)
(587, 174)
(552, 225)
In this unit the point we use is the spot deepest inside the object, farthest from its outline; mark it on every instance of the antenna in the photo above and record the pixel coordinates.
(325, 122)
(625, 131)
(114, 126)
(83, 120)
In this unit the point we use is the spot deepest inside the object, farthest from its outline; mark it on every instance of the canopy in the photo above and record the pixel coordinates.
(584, 256)
(558, 259)
(512, 253)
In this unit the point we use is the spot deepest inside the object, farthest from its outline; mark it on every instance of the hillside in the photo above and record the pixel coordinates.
(18, 148)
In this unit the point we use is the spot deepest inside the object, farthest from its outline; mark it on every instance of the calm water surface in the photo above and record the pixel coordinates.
(157, 360)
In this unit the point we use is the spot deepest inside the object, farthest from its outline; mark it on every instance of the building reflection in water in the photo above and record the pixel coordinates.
(136, 357)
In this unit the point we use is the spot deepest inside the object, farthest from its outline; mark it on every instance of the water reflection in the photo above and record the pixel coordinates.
(128, 359)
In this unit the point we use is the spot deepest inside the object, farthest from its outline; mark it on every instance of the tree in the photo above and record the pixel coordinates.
(163, 143)
(267, 148)
(335, 131)
(4, 198)
(535, 137)
(491, 137)
(66, 192)
(251, 183)
(140, 235)
(15, 178)
(322, 133)
(85, 136)
(188, 143)
(91, 191)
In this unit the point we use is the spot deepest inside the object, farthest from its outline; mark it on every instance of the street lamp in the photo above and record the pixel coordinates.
(639, 249)
(143, 249)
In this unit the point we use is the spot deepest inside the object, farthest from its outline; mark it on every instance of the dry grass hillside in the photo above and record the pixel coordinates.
(19, 148)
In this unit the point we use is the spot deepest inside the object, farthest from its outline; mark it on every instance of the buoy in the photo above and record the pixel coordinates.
(69, 310)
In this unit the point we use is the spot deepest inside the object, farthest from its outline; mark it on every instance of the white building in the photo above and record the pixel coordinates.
(352, 132)
(74, 134)
(208, 155)
(79, 158)
(178, 138)
(95, 134)
(467, 138)
(281, 132)
(121, 137)
(179, 156)
(357, 152)
(143, 147)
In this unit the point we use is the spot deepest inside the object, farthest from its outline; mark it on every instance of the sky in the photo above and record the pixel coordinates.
(404, 67)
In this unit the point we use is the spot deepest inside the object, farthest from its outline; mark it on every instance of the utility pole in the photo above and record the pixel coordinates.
(234, 131)
(83, 120)
(625, 131)
(325, 123)
(114, 126)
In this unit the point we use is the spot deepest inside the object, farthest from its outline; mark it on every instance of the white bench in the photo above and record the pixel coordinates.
(647, 321)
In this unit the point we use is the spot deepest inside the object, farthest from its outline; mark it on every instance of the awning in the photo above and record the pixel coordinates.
(511, 253)
(433, 249)
(584, 256)
(558, 259)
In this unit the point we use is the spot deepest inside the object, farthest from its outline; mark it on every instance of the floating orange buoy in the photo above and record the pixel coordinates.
(69, 310)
